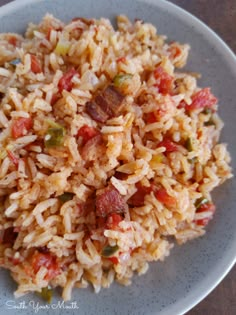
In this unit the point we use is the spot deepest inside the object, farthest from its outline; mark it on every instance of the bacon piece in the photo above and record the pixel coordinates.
(9, 236)
(113, 99)
(92, 148)
(106, 104)
(87, 207)
(96, 112)
(109, 200)
(120, 175)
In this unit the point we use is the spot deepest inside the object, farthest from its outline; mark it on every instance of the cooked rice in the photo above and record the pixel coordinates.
(69, 234)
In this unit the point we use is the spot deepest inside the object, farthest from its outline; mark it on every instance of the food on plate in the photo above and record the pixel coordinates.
(109, 153)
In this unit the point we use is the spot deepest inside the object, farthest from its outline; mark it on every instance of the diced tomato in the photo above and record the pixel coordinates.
(114, 260)
(49, 33)
(113, 221)
(201, 99)
(151, 118)
(164, 80)
(168, 144)
(206, 207)
(48, 261)
(65, 82)
(174, 50)
(162, 196)
(87, 133)
(35, 64)
(20, 126)
(12, 40)
(121, 59)
(182, 104)
(210, 207)
(155, 116)
(13, 158)
(55, 98)
(15, 261)
(137, 199)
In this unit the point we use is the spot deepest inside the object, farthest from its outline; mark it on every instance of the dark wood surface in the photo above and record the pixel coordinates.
(220, 15)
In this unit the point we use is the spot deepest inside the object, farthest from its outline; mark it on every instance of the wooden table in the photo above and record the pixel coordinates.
(220, 15)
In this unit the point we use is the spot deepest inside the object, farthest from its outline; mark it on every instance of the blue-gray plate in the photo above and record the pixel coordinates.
(192, 270)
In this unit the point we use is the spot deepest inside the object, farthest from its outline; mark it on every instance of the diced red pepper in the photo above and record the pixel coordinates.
(113, 221)
(162, 196)
(137, 199)
(65, 82)
(201, 99)
(48, 261)
(164, 80)
(20, 126)
(35, 64)
(169, 145)
(87, 133)
(206, 207)
(13, 158)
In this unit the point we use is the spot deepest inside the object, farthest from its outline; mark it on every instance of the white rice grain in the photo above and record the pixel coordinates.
(44, 205)
(112, 129)
(5, 73)
(11, 209)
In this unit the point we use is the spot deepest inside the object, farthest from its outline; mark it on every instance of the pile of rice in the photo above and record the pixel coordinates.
(47, 241)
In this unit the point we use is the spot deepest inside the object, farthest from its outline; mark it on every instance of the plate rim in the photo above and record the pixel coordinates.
(203, 289)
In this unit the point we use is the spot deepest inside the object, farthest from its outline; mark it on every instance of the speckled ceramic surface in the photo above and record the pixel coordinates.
(192, 270)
